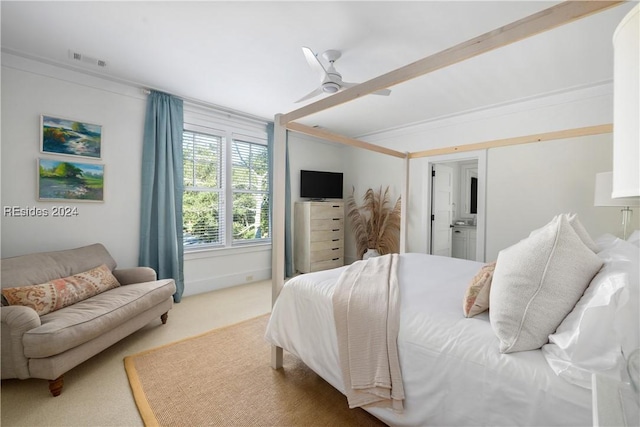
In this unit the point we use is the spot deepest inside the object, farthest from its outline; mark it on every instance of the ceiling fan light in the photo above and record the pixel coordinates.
(330, 87)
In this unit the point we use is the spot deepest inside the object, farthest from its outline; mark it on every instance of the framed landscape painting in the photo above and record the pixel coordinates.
(70, 137)
(60, 180)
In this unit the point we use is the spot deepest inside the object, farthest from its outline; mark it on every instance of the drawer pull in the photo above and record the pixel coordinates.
(336, 219)
(335, 259)
(335, 206)
(335, 240)
(335, 249)
(335, 229)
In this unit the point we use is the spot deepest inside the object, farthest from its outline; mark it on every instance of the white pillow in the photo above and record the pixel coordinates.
(604, 323)
(634, 238)
(537, 282)
(581, 231)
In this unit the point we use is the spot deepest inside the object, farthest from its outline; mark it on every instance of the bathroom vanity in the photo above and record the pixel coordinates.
(464, 242)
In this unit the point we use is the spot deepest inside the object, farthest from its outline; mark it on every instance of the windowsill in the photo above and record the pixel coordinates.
(190, 254)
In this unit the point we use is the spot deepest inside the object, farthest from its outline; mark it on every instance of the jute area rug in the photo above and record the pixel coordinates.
(224, 378)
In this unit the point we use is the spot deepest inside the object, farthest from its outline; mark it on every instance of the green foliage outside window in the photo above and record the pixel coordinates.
(250, 178)
(203, 198)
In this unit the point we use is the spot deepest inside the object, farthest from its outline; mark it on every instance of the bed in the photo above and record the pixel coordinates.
(453, 371)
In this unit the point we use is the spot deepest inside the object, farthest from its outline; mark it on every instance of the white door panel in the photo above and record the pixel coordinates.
(441, 210)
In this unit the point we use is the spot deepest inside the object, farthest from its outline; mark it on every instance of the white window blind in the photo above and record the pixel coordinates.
(250, 187)
(203, 198)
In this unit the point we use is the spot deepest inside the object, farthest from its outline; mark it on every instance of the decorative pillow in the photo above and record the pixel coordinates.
(476, 298)
(603, 327)
(578, 228)
(581, 231)
(60, 293)
(537, 282)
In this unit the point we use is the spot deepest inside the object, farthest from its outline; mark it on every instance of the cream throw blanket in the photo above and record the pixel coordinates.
(366, 313)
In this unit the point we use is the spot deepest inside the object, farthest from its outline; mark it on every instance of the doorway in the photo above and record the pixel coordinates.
(456, 211)
(442, 195)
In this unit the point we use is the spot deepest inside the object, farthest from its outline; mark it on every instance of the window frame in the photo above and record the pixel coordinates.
(236, 137)
(228, 128)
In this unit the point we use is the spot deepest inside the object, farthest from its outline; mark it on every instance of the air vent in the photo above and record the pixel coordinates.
(76, 56)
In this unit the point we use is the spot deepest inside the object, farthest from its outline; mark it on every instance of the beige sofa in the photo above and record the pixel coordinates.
(47, 346)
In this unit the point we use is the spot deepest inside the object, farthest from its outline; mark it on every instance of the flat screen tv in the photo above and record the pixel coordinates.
(320, 184)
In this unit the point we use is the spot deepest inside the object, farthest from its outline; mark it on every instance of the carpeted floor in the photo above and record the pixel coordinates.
(224, 378)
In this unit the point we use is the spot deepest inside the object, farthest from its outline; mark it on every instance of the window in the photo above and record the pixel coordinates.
(226, 188)
(250, 191)
(202, 204)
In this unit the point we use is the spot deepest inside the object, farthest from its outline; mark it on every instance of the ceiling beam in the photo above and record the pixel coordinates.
(549, 136)
(329, 136)
(542, 21)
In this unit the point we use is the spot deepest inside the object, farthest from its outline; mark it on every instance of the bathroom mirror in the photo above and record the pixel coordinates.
(470, 190)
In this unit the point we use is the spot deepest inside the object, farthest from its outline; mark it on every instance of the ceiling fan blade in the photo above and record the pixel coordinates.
(383, 92)
(314, 63)
(310, 95)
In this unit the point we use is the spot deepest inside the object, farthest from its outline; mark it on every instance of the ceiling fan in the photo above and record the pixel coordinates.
(330, 78)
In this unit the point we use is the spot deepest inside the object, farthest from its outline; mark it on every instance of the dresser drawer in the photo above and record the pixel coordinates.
(327, 224)
(331, 235)
(324, 245)
(326, 255)
(318, 235)
(325, 265)
(327, 210)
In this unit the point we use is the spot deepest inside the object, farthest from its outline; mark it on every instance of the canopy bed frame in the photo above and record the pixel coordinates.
(542, 21)
(449, 363)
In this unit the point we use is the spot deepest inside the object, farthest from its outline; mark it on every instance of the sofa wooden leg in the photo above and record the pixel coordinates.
(55, 386)
(164, 318)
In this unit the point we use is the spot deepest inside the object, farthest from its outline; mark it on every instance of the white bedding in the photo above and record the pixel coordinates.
(453, 371)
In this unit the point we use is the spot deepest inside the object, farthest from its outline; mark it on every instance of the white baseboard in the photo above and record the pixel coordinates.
(220, 282)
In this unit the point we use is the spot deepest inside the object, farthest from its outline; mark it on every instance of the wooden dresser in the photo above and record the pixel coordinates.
(318, 235)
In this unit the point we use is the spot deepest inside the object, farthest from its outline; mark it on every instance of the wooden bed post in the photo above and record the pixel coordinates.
(277, 222)
(404, 205)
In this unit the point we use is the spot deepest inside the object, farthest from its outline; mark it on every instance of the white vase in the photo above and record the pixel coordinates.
(370, 253)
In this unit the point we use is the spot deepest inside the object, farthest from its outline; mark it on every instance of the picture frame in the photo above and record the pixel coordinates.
(68, 137)
(70, 181)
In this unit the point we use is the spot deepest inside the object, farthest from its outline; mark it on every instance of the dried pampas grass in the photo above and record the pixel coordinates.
(376, 224)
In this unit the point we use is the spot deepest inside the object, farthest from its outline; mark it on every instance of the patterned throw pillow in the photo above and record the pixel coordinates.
(60, 293)
(476, 298)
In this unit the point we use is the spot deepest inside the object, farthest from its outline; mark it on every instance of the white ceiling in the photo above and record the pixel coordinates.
(247, 56)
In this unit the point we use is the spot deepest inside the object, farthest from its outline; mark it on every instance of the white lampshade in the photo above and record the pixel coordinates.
(603, 190)
(626, 106)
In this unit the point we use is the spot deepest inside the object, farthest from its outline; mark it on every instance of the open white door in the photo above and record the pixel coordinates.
(441, 210)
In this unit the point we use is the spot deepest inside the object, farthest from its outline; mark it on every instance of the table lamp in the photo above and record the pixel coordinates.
(602, 197)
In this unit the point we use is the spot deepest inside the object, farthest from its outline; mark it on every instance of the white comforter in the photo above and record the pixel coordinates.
(452, 369)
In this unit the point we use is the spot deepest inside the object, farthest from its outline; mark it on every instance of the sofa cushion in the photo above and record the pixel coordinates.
(59, 293)
(43, 267)
(76, 324)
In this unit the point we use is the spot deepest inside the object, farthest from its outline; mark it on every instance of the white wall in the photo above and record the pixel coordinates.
(115, 222)
(369, 169)
(308, 153)
(362, 170)
(529, 184)
(558, 176)
(31, 88)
